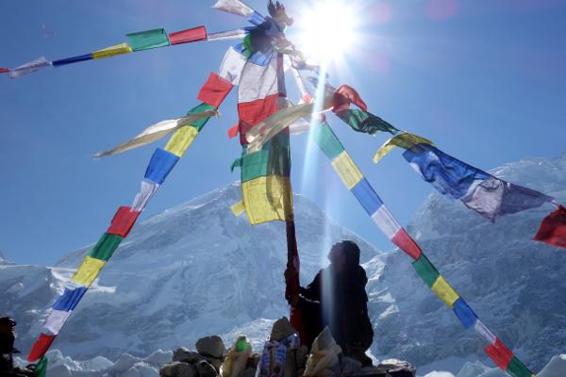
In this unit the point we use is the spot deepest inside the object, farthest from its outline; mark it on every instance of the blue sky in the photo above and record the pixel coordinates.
(485, 80)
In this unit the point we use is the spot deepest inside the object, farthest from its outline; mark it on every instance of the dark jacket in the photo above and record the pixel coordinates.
(6, 351)
(342, 305)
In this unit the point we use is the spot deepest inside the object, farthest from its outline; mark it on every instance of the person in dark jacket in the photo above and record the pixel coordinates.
(7, 350)
(337, 298)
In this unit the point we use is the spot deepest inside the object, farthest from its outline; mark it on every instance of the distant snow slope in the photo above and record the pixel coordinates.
(516, 285)
(190, 271)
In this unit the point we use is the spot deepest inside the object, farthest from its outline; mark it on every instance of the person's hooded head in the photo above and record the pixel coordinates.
(344, 255)
(7, 326)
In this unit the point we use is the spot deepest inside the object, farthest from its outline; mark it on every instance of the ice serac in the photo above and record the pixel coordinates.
(514, 284)
(191, 271)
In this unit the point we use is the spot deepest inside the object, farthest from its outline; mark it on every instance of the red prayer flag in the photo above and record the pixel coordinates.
(251, 113)
(233, 131)
(214, 90)
(40, 347)
(403, 241)
(344, 96)
(123, 221)
(499, 353)
(553, 228)
(4, 70)
(188, 35)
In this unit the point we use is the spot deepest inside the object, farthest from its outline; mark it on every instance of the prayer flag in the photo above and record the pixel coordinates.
(71, 60)
(69, 299)
(4, 70)
(188, 35)
(123, 221)
(366, 122)
(215, 90)
(347, 170)
(56, 320)
(499, 353)
(227, 35)
(40, 347)
(403, 140)
(119, 49)
(148, 189)
(478, 190)
(160, 165)
(148, 39)
(553, 228)
(109, 242)
(30, 67)
(88, 271)
(444, 291)
(181, 140)
(236, 7)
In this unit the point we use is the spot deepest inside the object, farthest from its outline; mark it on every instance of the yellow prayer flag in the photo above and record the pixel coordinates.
(268, 199)
(404, 140)
(181, 140)
(444, 291)
(107, 52)
(238, 208)
(347, 170)
(88, 271)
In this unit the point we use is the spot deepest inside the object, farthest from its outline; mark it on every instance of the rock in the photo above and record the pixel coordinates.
(211, 346)
(185, 355)
(281, 329)
(205, 369)
(178, 369)
(350, 366)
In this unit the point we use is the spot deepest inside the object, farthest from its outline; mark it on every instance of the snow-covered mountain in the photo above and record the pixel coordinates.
(197, 270)
(515, 285)
(190, 271)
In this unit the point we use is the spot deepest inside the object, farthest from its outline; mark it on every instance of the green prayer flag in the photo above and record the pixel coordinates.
(145, 40)
(517, 369)
(272, 159)
(426, 270)
(363, 121)
(106, 246)
(327, 141)
(199, 124)
(41, 367)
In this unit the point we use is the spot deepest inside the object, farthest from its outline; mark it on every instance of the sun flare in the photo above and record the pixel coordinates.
(326, 30)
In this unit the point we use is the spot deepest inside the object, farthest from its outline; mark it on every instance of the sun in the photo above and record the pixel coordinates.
(326, 30)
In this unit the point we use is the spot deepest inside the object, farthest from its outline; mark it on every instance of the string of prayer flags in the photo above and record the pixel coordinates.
(354, 180)
(160, 165)
(266, 187)
(148, 39)
(403, 140)
(480, 191)
(188, 35)
(28, 68)
(424, 268)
